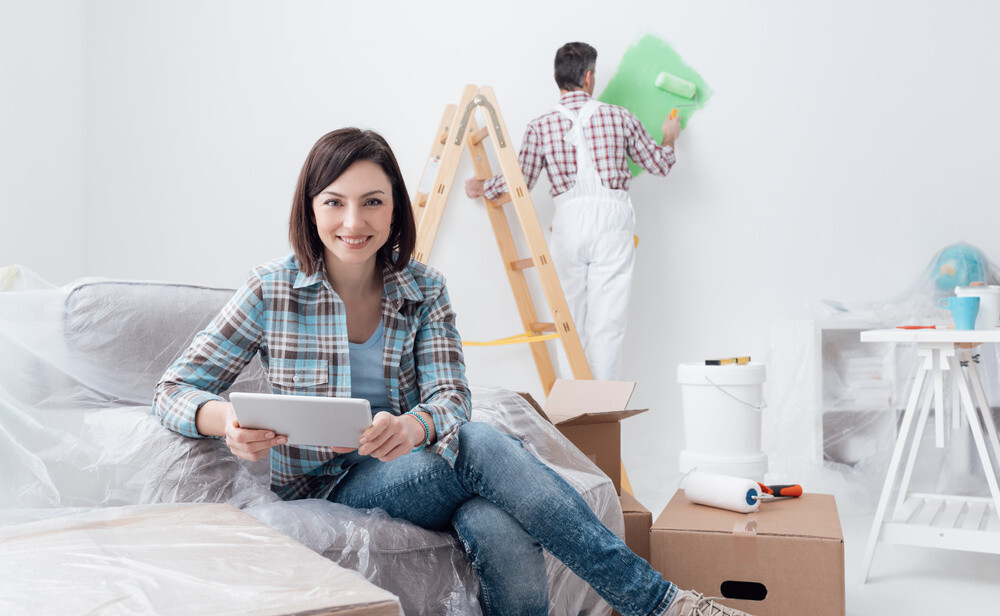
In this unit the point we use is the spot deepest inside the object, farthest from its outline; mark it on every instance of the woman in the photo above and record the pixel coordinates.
(351, 315)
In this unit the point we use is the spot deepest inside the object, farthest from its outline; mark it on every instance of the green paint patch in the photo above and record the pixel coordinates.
(634, 87)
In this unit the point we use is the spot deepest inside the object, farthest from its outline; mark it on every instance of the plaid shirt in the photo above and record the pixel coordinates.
(299, 327)
(615, 135)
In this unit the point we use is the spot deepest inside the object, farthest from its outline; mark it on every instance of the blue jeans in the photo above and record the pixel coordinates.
(506, 506)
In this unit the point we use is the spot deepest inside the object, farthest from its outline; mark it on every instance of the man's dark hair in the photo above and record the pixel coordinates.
(573, 60)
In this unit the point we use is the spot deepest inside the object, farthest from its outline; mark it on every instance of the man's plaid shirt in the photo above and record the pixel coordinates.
(614, 136)
(299, 327)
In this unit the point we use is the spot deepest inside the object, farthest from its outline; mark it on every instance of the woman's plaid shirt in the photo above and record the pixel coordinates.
(298, 325)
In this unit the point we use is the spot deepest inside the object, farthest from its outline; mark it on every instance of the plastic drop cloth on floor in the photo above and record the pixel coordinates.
(77, 368)
(835, 403)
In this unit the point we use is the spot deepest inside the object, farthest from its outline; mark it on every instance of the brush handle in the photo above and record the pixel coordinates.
(783, 490)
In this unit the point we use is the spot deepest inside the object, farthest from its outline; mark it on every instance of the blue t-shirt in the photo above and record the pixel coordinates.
(368, 371)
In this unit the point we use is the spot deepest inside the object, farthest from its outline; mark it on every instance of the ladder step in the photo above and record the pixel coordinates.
(543, 327)
(521, 264)
(504, 198)
(477, 137)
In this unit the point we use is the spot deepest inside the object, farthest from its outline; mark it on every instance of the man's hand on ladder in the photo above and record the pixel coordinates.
(474, 188)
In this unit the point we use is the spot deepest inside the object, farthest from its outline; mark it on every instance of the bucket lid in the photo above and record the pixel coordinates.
(731, 374)
(977, 291)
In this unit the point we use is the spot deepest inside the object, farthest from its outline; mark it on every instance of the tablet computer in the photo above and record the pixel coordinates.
(305, 420)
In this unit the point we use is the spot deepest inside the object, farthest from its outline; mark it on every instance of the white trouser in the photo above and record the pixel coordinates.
(593, 252)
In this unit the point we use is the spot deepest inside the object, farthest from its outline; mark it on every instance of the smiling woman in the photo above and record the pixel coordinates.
(351, 315)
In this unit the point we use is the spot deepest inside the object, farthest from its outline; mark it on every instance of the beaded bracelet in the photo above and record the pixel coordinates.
(427, 431)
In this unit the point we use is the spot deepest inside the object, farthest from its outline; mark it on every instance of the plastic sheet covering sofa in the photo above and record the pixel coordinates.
(77, 368)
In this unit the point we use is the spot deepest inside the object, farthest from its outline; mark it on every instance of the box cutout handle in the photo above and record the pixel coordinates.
(748, 591)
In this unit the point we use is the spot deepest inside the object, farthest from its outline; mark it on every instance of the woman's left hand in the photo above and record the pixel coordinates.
(391, 436)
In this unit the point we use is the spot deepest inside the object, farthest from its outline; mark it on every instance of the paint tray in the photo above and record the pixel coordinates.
(633, 87)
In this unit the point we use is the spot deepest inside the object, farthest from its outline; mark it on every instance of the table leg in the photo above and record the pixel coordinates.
(911, 460)
(890, 477)
(956, 408)
(938, 400)
(972, 414)
(984, 409)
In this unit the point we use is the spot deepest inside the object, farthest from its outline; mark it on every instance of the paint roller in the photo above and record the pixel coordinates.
(669, 82)
(733, 493)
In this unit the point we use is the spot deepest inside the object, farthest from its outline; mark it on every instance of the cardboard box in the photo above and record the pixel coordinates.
(174, 559)
(638, 521)
(788, 558)
(587, 413)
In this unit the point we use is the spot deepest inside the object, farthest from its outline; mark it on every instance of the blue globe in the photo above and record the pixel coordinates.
(958, 265)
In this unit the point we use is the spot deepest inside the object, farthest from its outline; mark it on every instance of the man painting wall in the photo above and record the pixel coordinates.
(584, 146)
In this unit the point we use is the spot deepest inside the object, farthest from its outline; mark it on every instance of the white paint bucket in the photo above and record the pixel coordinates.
(989, 304)
(722, 419)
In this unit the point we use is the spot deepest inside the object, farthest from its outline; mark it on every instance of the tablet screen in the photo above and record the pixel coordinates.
(305, 420)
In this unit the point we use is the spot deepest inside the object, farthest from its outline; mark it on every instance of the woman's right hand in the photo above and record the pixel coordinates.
(249, 444)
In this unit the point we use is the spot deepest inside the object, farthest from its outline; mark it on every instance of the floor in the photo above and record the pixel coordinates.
(917, 581)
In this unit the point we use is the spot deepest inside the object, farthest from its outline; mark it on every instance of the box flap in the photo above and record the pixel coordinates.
(596, 418)
(531, 400)
(576, 402)
(809, 515)
(630, 504)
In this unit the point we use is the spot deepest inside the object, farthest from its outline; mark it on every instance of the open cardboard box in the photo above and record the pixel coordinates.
(588, 414)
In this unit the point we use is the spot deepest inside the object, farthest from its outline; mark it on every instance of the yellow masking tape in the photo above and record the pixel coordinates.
(517, 339)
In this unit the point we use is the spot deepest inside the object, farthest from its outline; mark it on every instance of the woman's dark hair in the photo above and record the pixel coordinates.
(573, 60)
(327, 160)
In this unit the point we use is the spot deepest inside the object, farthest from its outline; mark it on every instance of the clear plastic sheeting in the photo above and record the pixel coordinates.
(173, 559)
(77, 368)
(835, 403)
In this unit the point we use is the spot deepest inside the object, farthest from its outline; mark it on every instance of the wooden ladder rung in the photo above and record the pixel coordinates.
(543, 327)
(521, 264)
(477, 137)
(504, 198)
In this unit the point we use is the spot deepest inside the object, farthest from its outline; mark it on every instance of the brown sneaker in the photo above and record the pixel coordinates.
(691, 603)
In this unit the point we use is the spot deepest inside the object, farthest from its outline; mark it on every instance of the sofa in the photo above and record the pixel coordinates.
(77, 368)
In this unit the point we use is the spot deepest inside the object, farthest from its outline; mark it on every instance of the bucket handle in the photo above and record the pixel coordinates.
(756, 407)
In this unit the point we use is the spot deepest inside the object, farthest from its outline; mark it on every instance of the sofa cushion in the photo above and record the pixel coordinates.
(126, 334)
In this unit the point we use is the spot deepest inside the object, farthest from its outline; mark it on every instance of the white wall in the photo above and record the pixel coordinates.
(845, 144)
(42, 170)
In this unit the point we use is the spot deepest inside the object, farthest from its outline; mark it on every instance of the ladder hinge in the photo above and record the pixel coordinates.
(480, 100)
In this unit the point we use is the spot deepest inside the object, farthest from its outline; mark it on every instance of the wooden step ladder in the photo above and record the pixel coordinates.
(458, 129)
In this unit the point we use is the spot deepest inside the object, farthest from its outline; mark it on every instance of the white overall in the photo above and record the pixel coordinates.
(593, 253)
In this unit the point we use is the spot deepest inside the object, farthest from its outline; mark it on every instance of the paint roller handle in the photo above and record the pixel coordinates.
(791, 490)
(671, 128)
